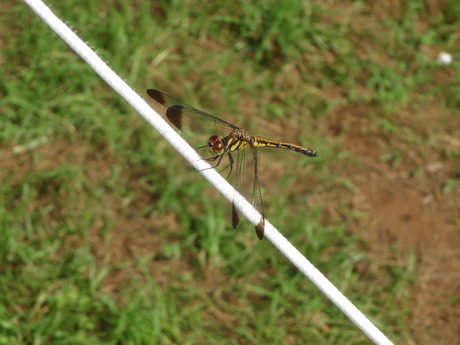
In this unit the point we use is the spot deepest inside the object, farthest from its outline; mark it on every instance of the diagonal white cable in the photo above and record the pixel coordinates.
(211, 175)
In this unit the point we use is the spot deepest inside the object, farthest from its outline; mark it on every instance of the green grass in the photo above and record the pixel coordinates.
(108, 237)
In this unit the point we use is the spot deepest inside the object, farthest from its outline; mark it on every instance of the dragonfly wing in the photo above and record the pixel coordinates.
(246, 181)
(257, 195)
(194, 125)
(237, 160)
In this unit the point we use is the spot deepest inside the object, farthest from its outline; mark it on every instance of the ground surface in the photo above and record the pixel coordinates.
(107, 236)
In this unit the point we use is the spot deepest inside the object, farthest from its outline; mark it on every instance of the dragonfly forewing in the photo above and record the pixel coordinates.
(195, 125)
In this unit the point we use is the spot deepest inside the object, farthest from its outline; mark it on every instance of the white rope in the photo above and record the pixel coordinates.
(211, 175)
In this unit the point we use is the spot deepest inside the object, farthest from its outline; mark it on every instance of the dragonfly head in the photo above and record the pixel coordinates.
(215, 145)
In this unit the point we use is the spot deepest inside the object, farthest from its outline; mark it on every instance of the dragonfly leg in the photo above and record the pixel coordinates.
(220, 157)
(212, 159)
(230, 158)
(201, 147)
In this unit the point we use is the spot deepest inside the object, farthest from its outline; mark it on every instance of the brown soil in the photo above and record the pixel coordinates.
(407, 209)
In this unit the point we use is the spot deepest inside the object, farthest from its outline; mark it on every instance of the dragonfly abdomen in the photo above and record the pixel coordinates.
(262, 142)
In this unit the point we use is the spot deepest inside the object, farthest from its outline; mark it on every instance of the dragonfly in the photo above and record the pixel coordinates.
(215, 139)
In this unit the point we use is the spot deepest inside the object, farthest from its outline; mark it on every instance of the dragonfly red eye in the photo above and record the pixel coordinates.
(215, 144)
(218, 146)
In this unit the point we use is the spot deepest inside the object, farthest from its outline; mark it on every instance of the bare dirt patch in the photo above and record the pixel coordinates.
(408, 210)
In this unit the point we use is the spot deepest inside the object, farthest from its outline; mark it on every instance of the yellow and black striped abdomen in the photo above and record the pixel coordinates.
(262, 142)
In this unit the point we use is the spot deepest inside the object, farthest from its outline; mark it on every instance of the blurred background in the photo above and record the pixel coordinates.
(109, 237)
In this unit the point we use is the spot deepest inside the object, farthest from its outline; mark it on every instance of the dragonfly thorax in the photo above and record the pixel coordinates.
(215, 145)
